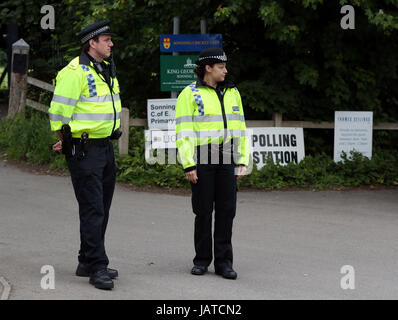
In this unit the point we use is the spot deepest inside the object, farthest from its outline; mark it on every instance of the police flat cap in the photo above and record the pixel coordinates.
(211, 56)
(93, 30)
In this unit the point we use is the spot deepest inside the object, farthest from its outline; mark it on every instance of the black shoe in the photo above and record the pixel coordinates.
(112, 273)
(199, 270)
(227, 273)
(82, 271)
(101, 280)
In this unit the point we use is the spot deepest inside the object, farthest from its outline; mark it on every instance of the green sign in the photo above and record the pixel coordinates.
(176, 72)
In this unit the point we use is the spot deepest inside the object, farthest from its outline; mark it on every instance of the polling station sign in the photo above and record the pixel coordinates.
(161, 113)
(189, 42)
(353, 131)
(283, 144)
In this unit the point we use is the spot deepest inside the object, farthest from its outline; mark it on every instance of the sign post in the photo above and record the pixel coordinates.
(161, 114)
(18, 76)
(176, 72)
(189, 42)
(176, 30)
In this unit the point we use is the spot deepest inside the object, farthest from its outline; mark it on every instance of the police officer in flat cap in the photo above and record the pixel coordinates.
(214, 152)
(85, 113)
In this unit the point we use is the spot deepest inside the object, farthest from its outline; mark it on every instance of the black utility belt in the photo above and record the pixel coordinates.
(92, 141)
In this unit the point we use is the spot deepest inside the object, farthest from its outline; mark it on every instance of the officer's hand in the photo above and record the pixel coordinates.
(192, 176)
(241, 171)
(58, 146)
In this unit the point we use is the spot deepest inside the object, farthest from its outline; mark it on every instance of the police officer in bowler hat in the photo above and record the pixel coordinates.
(85, 113)
(213, 150)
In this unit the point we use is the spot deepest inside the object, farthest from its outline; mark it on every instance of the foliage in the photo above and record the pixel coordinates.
(321, 171)
(28, 137)
(3, 59)
(314, 171)
(288, 56)
(303, 65)
(134, 168)
(4, 83)
(308, 67)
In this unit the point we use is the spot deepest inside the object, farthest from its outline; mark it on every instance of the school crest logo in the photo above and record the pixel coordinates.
(166, 43)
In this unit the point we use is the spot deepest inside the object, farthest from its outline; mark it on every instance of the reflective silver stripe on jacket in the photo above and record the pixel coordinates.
(209, 118)
(99, 99)
(95, 116)
(211, 134)
(235, 116)
(64, 100)
(58, 117)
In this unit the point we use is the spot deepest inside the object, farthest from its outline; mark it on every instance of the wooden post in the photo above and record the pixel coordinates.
(11, 37)
(277, 118)
(123, 142)
(176, 30)
(19, 75)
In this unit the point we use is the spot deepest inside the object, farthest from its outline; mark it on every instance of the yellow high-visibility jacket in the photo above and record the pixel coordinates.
(84, 101)
(205, 116)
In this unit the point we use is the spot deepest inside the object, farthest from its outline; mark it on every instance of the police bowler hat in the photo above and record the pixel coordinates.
(93, 30)
(211, 56)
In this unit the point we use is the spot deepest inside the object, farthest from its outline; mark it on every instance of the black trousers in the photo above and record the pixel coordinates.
(215, 189)
(93, 179)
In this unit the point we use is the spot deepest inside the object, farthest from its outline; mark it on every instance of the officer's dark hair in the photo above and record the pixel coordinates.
(86, 45)
(200, 70)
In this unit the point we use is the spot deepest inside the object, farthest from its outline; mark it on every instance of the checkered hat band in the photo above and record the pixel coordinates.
(222, 58)
(94, 33)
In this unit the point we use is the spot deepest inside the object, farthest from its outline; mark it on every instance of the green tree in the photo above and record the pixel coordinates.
(304, 65)
(288, 56)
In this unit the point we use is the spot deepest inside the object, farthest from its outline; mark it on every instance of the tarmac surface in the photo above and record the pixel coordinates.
(287, 245)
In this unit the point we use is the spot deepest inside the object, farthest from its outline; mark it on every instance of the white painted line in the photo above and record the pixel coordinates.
(6, 289)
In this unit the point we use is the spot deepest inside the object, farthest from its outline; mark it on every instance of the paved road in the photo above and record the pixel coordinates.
(287, 245)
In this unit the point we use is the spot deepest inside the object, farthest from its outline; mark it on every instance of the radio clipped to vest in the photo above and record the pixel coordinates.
(108, 74)
(112, 67)
(83, 146)
(116, 134)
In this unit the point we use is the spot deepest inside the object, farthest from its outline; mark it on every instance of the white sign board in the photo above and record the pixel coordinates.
(162, 139)
(284, 144)
(353, 131)
(161, 113)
